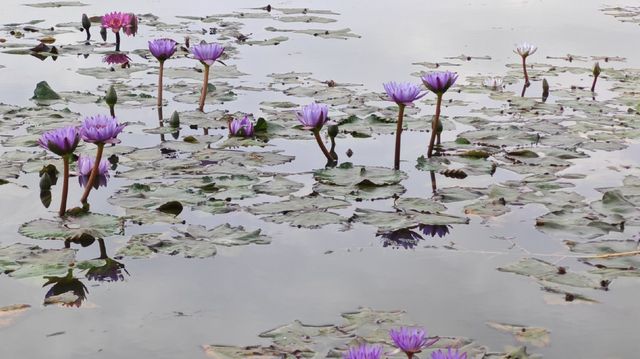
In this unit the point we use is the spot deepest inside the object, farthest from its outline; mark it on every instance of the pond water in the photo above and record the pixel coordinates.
(556, 181)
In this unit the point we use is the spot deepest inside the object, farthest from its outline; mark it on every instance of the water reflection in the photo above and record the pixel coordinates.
(434, 185)
(111, 271)
(409, 237)
(68, 290)
(117, 58)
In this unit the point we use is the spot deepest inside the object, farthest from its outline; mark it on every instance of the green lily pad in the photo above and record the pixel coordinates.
(547, 272)
(73, 227)
(535, 336)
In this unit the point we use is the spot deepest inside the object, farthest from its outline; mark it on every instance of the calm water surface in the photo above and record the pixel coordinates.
(168, 307)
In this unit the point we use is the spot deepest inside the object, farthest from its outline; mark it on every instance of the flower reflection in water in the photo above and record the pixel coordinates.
(117, 59)
(405, 238)
(68, 290)
(111, 271)
(408, 238)
(434, 230)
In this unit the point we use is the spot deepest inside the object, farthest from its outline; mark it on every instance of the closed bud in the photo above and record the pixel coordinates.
(596, 69)
(103, 33)
(86, 23)
(112, 97)
(545, 90)
(175, 120)
(45, 182)
(333, 131)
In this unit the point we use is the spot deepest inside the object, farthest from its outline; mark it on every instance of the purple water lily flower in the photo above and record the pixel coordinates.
(449, 354)
(363, 351)
(435, 230)
(403, 93)
(116, 21)
(313, 116)
(84, 167)
(62, 141)
(439, 82)
(207, 53)
(162, 49)
(241, 128)
(411, 340)
(100, 129)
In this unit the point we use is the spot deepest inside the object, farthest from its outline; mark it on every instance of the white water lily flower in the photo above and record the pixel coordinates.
(494, 83)
(525, 49)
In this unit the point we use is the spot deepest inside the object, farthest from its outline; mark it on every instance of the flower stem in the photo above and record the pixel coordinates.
(396, 160)
(94, 174)
(434, 127)
(205, 85)
(160, 122)
(112, 111)
(326, 153)
(524, 69)
(161, 72)
(118, 41)
(434, 185)
(593, 86)
(65, 186)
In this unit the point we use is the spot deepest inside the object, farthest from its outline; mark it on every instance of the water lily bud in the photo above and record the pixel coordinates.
(86, 24)
(175, 120)
(440, 127)
(45, 182)
(545, 89)
(103, 33)
(596, 69)
(333, 131)
(112, 97)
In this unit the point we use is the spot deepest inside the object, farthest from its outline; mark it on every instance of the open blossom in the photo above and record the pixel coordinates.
(494, 83)
(439, 82)
(100, 129)
(363, 351)
(241, 128)
(162, 49)
(85, 165)
(449, 354)
(62, 141)
(116, 59)
(411, 340)
(116, 21)
(207, 53)
(313, 116)
(525, 49)
(403, 93)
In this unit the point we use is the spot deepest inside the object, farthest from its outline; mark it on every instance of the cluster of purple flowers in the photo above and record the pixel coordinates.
(408, 340)
(99, 130)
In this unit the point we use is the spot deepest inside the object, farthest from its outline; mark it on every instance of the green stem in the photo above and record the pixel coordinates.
(396, 160)
(118, 41)
(112, 111)
(205, 85)
(94, 174)
(593, 86)
(434, 126)
(326, 153)
(65, 186)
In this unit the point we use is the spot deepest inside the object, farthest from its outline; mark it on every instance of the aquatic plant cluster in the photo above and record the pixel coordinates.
(410, 341)
(181, 166)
